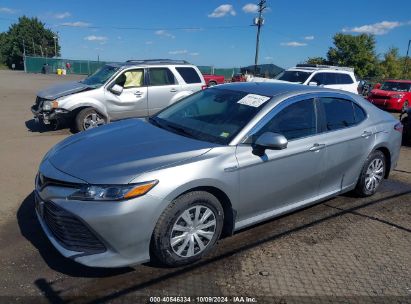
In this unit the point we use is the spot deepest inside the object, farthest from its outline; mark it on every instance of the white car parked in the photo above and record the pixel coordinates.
(332, 77)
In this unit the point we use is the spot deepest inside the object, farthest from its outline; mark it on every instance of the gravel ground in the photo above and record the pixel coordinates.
(342, 250)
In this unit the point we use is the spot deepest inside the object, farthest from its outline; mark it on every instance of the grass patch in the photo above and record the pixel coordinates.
(3, 67)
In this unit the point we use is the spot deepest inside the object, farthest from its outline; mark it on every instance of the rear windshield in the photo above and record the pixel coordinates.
(396, 86)
(293, 76)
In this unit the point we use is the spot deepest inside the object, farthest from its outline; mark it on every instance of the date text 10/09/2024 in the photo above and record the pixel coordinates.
(182, 299)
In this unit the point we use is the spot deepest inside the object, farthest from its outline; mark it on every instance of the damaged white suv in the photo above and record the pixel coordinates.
(136, 88)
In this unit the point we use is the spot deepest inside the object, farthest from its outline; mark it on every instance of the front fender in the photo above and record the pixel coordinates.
(72, 104)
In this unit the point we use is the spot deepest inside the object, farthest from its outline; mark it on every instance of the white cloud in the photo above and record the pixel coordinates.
(149, 42)
(96, 38)
(379, 28)
(268, 58)
(7, 10)
(194, 54)
(164, 33)
(61, 15)
(250, 8)
(76, 24)
(309, 37)
(223, 10)
(178, 52)
(293, 44)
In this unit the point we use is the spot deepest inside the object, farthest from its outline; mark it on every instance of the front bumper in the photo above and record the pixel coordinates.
(123, 227)
(52, 115)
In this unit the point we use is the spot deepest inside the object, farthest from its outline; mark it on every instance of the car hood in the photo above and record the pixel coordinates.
(119, 152)
(386, 93)
(63, 89)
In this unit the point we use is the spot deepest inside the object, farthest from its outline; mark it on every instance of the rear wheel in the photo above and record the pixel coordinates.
(188, 229)
(212, 83)
(88, 118)
(372, 174)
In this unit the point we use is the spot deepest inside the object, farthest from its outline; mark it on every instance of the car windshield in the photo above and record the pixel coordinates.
(396, 86)
(293, 76)
(100, 76)
(213, 115)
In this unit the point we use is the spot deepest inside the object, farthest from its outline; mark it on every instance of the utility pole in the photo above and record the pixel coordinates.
(258, 21)
(55, 46)
(406, 59)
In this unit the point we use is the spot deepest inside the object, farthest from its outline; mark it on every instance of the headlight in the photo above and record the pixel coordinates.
(50, 104)
(112, 192)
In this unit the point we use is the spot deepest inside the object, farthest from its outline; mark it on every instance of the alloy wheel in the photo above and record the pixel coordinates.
(93, 120)
(374, 174)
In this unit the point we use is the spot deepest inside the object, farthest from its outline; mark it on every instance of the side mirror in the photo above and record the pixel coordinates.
(313, 83)
(116, 89)
(271, 141)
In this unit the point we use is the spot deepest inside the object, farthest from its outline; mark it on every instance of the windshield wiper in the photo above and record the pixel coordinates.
(171, 127)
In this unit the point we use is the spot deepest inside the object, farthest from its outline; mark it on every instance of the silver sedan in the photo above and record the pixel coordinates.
(220, 160)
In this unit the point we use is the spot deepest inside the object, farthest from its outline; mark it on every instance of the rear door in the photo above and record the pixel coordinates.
(348, 139)
(162, 87)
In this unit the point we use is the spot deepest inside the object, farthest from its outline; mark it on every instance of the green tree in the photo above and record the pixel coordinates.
(316, 60)
(392, 65)
(31, 34)
(355, 51)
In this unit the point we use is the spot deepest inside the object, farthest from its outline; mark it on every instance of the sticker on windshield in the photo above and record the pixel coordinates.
(253, 100)
(224, 134)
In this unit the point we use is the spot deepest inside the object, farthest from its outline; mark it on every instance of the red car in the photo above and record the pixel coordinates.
(212, 80)
(393, 95)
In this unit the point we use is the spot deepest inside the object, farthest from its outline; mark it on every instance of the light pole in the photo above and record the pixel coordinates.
(55, 46)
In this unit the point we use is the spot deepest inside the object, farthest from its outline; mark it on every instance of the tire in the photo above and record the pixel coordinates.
(406, 135)
(212, 83)
(371, 175)
(172, 226)
(94, 118)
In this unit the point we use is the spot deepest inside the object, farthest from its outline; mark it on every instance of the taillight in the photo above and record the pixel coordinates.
(399, 127)
(204, 87)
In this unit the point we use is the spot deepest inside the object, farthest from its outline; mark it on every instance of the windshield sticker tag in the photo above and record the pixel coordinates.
(253, 100)
(224, 134)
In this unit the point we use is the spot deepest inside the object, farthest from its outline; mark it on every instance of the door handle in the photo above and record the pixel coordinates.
(366, 134)
(317, 147)
(173, 90)
(138, 93)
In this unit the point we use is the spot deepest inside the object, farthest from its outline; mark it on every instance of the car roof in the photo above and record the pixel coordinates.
(312, 70)
(271, 89)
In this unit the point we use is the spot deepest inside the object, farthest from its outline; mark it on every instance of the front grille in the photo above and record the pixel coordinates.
(71, 233)
(44, 181)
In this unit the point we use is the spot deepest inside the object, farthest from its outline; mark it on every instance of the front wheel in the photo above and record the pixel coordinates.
(188, 229)
(88, 118)
(372, 174)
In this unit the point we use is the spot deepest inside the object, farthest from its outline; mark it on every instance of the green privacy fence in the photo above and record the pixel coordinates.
(87, 67)
(40, 64)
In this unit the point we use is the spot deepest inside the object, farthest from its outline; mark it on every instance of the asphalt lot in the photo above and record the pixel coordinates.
(345, 249)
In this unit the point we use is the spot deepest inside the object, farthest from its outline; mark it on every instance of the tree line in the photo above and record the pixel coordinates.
(359, 53)
(28, 35)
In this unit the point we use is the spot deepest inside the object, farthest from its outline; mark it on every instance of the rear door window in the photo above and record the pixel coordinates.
(338, 113)
(189, 75)
(161, 76)
(298, 120)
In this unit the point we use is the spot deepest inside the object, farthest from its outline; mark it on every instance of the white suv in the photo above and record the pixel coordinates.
(136, 88)
(340, 78)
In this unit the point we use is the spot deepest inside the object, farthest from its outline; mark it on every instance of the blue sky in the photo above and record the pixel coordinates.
(212, 32)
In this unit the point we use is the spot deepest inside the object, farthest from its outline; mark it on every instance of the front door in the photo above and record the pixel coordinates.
(132, 102)
(281, 178)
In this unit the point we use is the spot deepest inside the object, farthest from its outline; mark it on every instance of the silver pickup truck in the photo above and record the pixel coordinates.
(136, 88)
